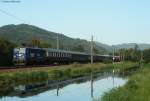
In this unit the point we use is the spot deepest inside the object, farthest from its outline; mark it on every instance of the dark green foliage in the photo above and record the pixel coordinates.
(79, 48)
(130, 54)
(6, 52)
(96, 51)
(146, 55)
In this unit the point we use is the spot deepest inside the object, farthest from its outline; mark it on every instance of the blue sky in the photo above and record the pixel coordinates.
(110, 21)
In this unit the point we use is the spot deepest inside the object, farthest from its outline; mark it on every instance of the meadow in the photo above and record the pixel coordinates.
(136, 89)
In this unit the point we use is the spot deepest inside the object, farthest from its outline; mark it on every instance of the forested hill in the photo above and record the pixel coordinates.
(25, 34)
(131, 45)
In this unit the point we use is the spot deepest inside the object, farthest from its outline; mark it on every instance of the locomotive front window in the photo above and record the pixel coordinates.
(38, 55)
(32, 55)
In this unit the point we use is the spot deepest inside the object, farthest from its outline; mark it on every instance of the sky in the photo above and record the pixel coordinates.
(109, 21)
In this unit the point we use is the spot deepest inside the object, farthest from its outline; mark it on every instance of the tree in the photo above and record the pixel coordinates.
(131, 54)
(146, 55)
(79, 48)
(6, 52)
(96, 51)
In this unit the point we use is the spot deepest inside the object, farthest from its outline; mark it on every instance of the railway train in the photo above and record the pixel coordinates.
(36, 56)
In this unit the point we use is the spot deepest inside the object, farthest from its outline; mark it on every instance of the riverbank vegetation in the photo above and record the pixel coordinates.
(59, 72)
(136, 89)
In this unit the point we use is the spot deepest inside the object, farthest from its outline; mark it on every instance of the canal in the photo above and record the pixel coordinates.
(79, 89)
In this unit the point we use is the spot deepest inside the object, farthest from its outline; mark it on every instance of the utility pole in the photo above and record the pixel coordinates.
(57, 42)
(92, 50)
(113, 56)
(141, 59)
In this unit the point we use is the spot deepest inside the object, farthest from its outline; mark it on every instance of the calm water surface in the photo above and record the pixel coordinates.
(75, 91)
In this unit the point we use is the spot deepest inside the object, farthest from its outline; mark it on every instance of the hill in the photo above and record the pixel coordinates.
(24, 33)
(130, 45)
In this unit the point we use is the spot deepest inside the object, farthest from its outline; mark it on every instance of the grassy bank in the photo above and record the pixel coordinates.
(61, 72)
(136, 89)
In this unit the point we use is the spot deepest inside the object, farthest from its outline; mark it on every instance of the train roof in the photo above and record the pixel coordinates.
(64, 51)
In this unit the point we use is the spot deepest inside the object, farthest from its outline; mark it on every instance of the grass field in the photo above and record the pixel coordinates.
(136, 89)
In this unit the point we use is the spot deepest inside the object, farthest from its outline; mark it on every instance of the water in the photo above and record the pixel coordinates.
(73, 90)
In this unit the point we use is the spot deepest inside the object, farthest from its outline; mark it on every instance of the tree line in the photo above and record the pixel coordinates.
(6, 51)
(134, 54)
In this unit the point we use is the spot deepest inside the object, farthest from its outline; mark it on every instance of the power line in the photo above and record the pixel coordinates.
(10, 1)
(12, 16)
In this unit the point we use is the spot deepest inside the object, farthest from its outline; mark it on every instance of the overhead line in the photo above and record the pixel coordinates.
(11, 15)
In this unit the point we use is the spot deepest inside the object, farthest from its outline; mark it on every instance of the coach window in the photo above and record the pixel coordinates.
(64, 54)
(38, 54)
(54, 54)
(32, 55)
(61, 54)
(58, 54)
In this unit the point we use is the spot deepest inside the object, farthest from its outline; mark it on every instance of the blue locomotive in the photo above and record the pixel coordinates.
(28, 56)
(34, 56)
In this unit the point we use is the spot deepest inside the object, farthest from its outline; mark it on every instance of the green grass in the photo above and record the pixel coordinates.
(61, 72)
(136, 89)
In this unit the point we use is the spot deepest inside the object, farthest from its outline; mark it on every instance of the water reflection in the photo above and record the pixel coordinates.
(92, 90)
(79, 89)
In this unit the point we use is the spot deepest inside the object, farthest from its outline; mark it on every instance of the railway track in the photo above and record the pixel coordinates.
(26, 68)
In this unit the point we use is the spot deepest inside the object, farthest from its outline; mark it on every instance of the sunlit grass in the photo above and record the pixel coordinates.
(136, 89)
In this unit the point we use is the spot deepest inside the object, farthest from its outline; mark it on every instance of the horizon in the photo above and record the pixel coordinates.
(110, 22)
